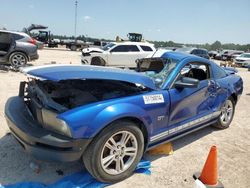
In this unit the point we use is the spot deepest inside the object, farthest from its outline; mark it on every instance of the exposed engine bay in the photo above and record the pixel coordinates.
(67, 94)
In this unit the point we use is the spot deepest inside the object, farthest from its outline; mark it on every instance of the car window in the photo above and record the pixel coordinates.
(4, 37)
(121, 48)
(169, 66)
(126, 48)
(219, 72)
(146, 48)
(196, 70)
(194, 52)
(132, 48)
(108, 46)
(17, 37)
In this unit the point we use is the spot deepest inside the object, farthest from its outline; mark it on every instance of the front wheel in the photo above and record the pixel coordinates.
(114, 154)
(227, 114)
(98, 61)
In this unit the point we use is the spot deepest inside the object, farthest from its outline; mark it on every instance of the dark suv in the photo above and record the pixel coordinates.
(195, 51)
(16, 48)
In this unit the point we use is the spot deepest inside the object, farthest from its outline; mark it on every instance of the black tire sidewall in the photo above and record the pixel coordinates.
(98, 144)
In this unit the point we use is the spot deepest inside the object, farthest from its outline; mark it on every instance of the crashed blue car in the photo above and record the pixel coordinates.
(108, 117)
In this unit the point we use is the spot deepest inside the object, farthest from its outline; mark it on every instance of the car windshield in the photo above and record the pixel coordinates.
(161, 77)
(108, 46)
(245, 55)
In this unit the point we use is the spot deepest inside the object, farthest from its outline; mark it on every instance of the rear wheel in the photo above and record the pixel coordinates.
(227, 114)
(97, 61)
(114, 154)
(18, 59)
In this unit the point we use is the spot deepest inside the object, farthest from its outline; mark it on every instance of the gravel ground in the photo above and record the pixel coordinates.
(175, 171)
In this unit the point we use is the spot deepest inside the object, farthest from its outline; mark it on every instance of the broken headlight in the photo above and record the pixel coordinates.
(51, 122)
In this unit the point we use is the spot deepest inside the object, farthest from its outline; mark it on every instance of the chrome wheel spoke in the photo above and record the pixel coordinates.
(108, 145)
(229, 110)
(118, 165)
(108, 160)
(130, 151)
(226, 117)
(122, 164)
(113, 141)
(125, 138)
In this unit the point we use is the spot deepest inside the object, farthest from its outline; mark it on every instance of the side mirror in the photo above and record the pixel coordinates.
(186, 82)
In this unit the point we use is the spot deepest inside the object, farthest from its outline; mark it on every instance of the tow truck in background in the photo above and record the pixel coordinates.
(45, 37)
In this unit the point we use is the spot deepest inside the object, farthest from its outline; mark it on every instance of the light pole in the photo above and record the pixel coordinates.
(75, 17)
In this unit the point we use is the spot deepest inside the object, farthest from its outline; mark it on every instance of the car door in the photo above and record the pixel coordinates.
(192, 104)
(5, 44)
(117, 55)
(124, 56)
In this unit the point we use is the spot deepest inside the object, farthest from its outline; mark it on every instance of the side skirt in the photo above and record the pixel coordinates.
(178, 135)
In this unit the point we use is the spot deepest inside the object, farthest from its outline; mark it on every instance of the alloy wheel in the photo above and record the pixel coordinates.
(226, 112)
(119, 152)
(18, 60)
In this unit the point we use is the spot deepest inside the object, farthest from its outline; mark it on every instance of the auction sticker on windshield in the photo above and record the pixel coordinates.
(153, 99)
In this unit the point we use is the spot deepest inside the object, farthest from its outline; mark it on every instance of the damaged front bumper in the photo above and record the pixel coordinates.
(36, 140)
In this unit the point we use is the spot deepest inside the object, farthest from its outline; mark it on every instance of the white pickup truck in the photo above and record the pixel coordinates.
(117, 54)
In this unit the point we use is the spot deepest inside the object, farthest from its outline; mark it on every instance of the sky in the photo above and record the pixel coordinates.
(183, 21)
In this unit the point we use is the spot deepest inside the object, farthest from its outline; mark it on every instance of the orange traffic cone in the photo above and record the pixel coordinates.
(209, 174)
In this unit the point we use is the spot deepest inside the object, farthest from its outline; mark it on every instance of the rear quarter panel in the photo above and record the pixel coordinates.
(232, 84)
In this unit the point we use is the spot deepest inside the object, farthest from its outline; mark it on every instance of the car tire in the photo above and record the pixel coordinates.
(98, 61)
(18, 59)
(227, 114)
(73, 47)
(106, 158)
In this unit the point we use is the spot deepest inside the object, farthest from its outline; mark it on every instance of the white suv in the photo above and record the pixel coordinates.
(117, 54)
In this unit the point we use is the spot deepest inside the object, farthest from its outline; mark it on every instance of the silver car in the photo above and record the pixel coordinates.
(17, 48)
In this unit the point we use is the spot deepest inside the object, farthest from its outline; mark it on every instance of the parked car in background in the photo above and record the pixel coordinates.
(243, 60)
(230, 55)
(195, 51)
(17, 48)
(212, 54)
(117, 54)
(108, 117)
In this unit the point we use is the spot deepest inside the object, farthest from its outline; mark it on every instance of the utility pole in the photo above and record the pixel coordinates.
(75, 16)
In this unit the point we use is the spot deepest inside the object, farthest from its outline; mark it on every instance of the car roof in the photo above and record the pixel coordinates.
(133, 43)
(182, 55)
(176, 55)
(14, 32)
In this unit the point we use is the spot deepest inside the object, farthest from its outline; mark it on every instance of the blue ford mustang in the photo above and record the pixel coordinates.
(109, 117)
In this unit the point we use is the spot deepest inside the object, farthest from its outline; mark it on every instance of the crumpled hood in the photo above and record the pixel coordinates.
(66, 72)
(92, 50)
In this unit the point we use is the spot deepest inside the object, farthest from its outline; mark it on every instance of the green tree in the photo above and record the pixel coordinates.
(216, 45)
